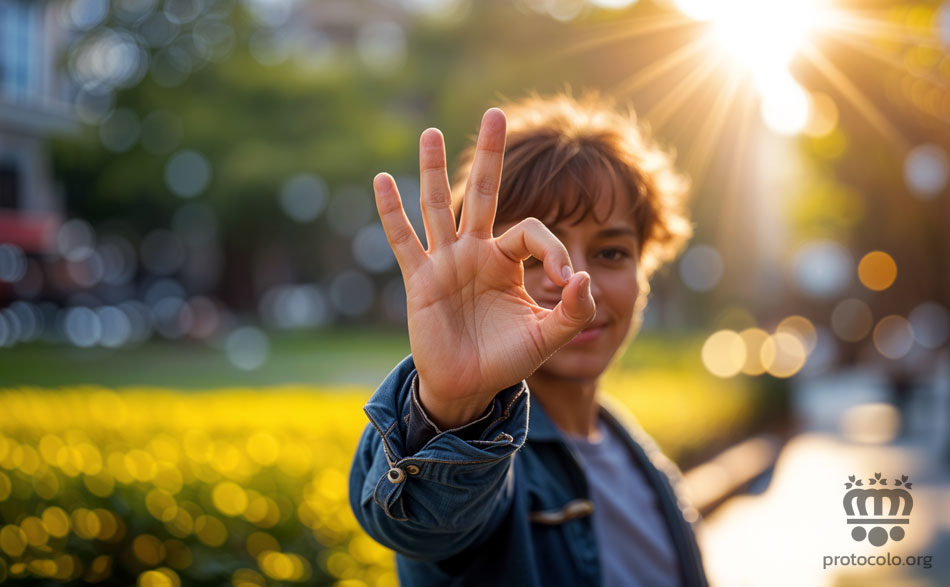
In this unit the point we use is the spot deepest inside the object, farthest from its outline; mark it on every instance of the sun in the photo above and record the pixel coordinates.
(762, 39)
(764, 35)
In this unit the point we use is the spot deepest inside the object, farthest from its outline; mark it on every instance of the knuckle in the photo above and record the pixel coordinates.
(433, 160)
(532, 223)
(484, 185)
(399, 236)
(438, 198)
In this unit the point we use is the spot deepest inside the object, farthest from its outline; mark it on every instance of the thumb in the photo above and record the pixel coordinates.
(575, 311)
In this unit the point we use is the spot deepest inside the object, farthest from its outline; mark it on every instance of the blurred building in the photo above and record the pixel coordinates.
(33, 105)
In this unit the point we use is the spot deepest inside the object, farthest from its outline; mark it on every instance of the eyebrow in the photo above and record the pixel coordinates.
(605, 233)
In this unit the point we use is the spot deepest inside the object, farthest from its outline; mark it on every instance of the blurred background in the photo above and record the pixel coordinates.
(197, 297)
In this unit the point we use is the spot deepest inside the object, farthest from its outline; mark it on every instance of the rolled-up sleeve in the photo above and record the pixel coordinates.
(429, 493)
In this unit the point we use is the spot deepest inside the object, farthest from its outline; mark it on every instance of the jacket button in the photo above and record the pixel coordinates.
(396, 475)
(412, 469)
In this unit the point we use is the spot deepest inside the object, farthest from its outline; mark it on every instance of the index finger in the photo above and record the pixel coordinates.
(399, 232)
(481, 193)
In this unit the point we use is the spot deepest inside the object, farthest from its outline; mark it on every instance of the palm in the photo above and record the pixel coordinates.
(472, 324)
(473, 328)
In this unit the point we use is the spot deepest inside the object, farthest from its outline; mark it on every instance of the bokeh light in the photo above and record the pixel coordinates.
(851, 320)
(352, 293)
(802, 328)
(823, 268)
(927, 170)
(12, 263)
(893, 336)
(303, 197)
(754, 339)
(75, 239)
(381, 46)
(930, 323)
(187, 173)
(298, 306)
(724, 353)
(85, 14)
(877, 270)
(701, 267)
(371, 249)
(247, 348)
(783, 354)
(82, 326)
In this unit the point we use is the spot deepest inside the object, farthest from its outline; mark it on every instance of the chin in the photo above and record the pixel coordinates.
(570, 363)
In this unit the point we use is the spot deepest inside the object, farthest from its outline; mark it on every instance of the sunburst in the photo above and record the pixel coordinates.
(739, 55)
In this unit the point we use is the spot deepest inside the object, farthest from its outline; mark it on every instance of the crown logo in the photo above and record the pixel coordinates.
(864, 506)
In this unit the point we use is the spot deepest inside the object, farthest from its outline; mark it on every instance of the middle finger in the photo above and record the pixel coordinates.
(481, 193)
(435, 194)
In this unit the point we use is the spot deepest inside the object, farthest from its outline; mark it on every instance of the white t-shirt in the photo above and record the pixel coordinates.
(634, 539)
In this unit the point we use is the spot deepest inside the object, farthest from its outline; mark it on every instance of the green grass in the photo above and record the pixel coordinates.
(326, 357)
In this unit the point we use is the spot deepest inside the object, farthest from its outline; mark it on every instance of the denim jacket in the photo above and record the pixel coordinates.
(490, 503)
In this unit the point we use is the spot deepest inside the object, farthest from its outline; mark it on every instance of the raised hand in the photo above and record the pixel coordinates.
(473, 328)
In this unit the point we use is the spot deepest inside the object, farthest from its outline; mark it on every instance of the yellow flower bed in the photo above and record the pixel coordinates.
(241, 486)
(157, 487)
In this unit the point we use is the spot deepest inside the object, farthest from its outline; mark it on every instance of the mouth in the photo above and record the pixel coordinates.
(589, 334)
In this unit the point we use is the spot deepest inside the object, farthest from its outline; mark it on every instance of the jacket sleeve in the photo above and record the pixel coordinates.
(426, 493)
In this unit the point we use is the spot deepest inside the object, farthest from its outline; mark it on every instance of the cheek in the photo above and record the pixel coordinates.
(621, 292)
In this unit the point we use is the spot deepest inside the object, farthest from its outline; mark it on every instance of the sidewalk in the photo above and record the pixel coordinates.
(790, 533)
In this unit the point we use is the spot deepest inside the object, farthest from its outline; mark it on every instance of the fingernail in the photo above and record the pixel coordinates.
(586, 285)
(566, 273)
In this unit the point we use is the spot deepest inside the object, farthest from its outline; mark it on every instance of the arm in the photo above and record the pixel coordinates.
(430, 494)
(473, 330)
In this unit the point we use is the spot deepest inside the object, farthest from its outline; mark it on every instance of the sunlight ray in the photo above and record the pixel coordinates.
(701, 150)
(875, 53)
(650, 73)
(729, 200)
(879, 30)
(855, 96)
(660, 114)
(652, 25)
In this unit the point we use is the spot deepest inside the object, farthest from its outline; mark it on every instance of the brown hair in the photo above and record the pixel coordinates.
(563, 153)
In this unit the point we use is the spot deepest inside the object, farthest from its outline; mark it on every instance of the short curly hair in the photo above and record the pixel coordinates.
(562, 153)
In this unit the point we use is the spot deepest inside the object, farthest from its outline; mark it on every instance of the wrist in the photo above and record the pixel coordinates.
(451, 414)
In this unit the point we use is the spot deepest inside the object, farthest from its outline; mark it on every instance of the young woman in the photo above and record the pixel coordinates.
(491, 458)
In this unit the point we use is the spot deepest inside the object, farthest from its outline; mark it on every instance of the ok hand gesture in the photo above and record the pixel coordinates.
(473, 328)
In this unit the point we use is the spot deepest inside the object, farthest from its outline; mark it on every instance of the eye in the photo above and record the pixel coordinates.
(614, 254)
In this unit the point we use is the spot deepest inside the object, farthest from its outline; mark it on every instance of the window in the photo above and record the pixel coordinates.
(9, 185)
(20, 48)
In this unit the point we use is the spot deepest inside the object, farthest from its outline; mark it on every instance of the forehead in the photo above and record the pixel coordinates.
(586, 188)
(606, 209)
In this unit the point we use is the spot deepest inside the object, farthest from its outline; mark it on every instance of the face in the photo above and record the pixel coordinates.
(608, 252)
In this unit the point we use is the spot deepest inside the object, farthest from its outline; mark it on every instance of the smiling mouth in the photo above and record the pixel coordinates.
(588, 334)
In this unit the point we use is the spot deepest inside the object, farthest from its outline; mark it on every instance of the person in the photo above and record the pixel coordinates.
(491, 457)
